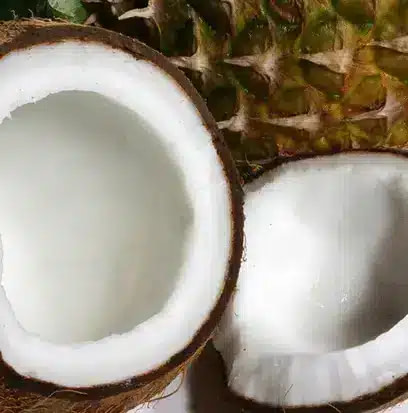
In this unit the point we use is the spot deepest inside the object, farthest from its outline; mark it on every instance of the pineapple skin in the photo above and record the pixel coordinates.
(284, 78)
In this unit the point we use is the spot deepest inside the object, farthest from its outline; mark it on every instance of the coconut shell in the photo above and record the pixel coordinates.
(25, 394)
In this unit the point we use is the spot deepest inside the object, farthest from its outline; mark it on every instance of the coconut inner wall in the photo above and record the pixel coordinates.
(93, 217)
(326, 265)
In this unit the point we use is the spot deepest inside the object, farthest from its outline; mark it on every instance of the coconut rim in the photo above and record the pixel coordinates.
(21, 35)
(387, 396)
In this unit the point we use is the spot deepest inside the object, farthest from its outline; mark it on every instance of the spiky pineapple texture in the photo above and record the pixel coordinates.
(283, 77)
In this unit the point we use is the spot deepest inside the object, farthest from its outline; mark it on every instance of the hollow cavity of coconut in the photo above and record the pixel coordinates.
(120, 220)
(319, 319)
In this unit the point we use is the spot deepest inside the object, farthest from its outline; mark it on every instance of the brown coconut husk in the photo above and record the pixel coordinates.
(14, 399)
(28, 395)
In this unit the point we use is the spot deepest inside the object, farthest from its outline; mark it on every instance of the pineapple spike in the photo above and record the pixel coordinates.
(244, 61)
(338, 60)
(399, 44)
(235, 124)
(238, 122)
(308, 122)
(92, 19)
(243, 8)
(186, 62)
(265, 63)
(198, 61)
(392, 109)
(146, 13)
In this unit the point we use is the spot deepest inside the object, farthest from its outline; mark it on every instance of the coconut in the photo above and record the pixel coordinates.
(120, 220)
(319, 320)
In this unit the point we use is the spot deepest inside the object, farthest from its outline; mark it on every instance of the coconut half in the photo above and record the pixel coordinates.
(319, 320)
(120, 220)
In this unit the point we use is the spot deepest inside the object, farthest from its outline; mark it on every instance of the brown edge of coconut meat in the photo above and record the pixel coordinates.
(385, 398)
(26, 394)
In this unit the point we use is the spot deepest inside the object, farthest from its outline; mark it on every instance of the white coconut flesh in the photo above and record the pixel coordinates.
(319, 315)
(115, 215)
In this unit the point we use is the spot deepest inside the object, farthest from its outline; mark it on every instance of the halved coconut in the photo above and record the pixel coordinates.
(319, 317)
(120, 220)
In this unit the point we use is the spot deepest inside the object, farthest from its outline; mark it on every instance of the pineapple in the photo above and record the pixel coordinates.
(283, 77)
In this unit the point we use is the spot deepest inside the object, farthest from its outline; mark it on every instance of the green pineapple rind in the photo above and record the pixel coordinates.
(288, 77)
